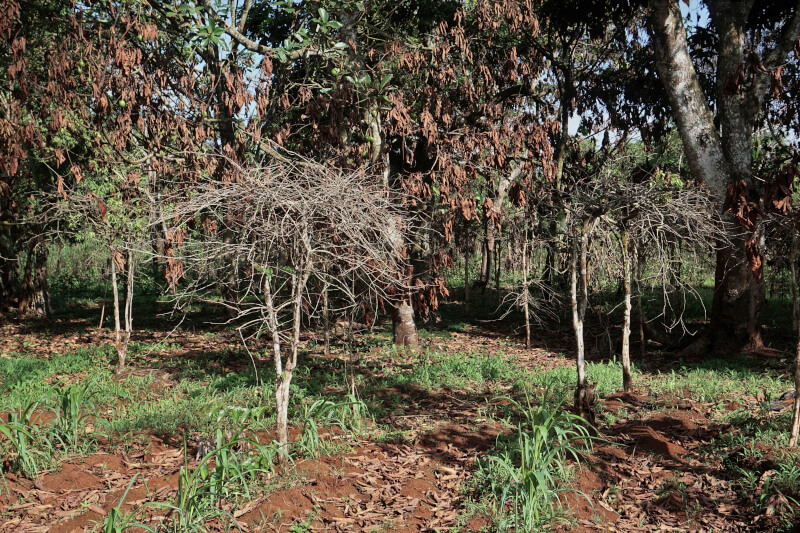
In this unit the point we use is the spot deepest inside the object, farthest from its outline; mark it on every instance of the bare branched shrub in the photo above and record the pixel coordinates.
(76, 213)
(285, 232)
(616, 222)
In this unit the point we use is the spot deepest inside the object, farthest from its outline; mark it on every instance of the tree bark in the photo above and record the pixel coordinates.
(491, 231)
(405, 331)
(795, 431)
(326, 321)
(526, 293)
(8, 277)
(639, 310)
(488, 249)
(466, 282)
(715, 159)
(35, 295)
(284, 369)
(122, 335)
(626, 323)
(498, 258)
(584, 393)
(122, 350)
(115, 294)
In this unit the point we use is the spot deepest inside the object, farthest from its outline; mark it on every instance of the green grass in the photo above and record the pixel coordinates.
(607, 376)
(519, 481)
(718, 379)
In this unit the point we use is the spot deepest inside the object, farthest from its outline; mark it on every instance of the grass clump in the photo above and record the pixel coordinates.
(524, 475)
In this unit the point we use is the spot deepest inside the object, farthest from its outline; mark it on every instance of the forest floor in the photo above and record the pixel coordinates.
(691, 449)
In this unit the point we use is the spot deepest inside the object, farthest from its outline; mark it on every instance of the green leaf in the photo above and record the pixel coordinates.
(323, 14)
(264, 270)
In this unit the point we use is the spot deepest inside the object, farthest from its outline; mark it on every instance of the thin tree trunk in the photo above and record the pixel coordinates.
(795, 431)
(326, 321)
(584, 393)
(526, 293)
(487, 261)
(103, 308)
(497, 269)
(626, 324)
(124, 341)
(115, 294)
(299, 280)
(793, 257)
(281, 395)
(577, 317)
(491, 232)
(466, 282)
(639, 310)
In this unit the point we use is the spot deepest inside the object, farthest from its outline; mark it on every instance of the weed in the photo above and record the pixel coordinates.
(20, 439)
(524, 476)
(349, 415)
(73, 405)
(117, 521)
(33, 448)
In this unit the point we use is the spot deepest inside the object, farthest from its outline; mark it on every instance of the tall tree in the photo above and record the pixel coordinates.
(749, 44)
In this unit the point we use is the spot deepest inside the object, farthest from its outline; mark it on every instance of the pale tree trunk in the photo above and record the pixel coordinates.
(281, 407)
(626, 322)
(123, 353)
(115, 295)
(795, 431)
(526, 293)
(639, 310)
(584, 394)
(122, 336)
(719, 160)
(285, 370)
(326, 321)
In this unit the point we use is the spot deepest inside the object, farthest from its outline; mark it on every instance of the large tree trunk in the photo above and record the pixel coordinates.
(8, 278)
(35, 295)
(405, 331)
(716, 159)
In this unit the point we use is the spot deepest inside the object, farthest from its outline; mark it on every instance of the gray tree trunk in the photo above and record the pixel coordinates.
(795, 431)
(626, 323)
(719, 159)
